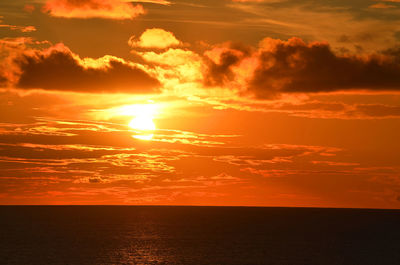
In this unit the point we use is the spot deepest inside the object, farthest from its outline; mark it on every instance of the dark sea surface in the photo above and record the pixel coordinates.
(197, 235)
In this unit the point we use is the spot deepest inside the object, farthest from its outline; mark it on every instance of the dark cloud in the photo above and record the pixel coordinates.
(294, 66)
(219, 73)
(378, 110)
(94, 180)
(3, 80)
(219, 69)
(340, 110)
(320, 106)
(60, 69)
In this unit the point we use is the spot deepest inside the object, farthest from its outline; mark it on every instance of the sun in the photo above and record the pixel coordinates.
(142, 122)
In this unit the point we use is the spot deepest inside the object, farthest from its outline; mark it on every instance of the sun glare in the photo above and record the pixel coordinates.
(142, 122)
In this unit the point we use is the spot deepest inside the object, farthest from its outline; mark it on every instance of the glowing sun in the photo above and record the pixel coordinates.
(143, 122)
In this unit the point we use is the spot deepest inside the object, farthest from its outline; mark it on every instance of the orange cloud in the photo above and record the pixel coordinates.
(381, 6)
(175, 64)
(160, 2)
(57, 68)
(109, 9)
(20, 28)
(29, 8)
(155, 38)
(257, 1)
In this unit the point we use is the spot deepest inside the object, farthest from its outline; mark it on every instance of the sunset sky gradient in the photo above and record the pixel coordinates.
(254, 102)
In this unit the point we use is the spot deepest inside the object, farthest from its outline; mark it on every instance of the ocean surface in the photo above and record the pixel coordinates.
(197, 235)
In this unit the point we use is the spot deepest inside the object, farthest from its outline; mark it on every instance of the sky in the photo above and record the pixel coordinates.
(215, 102)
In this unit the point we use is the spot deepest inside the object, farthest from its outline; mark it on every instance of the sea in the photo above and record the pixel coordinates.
(197, 235)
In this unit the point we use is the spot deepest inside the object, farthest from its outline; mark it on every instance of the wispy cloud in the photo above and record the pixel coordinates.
(107, 9)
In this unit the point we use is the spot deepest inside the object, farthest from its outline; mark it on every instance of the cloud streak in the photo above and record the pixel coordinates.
(107, 9)
(20, 28)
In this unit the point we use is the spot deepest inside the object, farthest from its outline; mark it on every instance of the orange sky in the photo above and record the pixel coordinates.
(229, 102)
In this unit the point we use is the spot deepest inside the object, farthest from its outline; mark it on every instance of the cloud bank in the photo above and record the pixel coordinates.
(294, 66)
(57, 68)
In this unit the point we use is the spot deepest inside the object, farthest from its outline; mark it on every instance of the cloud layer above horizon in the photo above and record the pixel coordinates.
(249, 102)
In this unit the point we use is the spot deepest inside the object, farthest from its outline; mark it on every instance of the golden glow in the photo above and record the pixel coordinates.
(142, 122)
